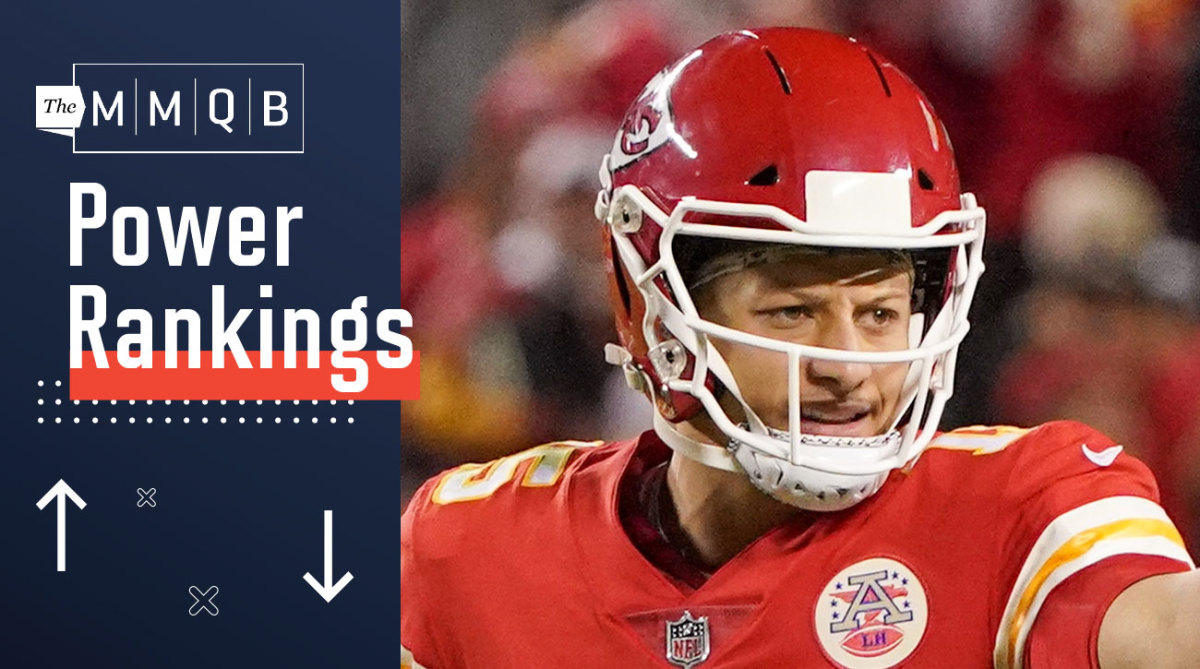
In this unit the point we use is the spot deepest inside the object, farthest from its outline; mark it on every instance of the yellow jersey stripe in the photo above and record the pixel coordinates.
(1074, 548)
(979, 440)
(407, 661)
(1073, 541)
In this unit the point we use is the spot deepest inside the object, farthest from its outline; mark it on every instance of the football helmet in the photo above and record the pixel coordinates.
(793, 137)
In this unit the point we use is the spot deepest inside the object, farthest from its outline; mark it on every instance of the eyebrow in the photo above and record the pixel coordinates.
(818, 300)
(891, 295)
(808, 291)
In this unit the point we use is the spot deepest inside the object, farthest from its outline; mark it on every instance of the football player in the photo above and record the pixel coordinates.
(792, 266)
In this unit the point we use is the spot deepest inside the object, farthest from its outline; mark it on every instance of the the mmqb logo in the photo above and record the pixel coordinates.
(178, 108)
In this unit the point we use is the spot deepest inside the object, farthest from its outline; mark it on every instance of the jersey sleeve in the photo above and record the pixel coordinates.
(417, 649)
(1067, 630)
(468, 537)
(1087, 509)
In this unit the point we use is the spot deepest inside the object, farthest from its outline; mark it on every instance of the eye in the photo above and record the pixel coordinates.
(882, 316)
(880, 319)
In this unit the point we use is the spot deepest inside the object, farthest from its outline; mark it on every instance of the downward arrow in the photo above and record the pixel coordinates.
(330, 589)
(58, 492)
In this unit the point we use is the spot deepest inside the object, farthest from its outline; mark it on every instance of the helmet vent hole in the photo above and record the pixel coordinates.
(783, 80)
(923, 180)
(878, 70)
(767, 176)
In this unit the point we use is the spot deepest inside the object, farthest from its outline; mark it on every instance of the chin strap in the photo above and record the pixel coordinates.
(813, 489)
(797, 486)
(706, 454)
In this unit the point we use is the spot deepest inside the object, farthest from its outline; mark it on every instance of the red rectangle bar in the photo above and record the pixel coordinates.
(236, 383)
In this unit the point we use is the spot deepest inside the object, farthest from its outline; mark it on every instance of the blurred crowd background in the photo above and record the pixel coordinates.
(1076, 122)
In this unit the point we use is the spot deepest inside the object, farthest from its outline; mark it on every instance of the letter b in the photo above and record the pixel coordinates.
(268, 107)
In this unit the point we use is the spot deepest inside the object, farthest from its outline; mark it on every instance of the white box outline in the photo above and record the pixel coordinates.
(303, 116)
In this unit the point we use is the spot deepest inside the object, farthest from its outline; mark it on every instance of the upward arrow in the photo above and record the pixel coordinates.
(59, 491)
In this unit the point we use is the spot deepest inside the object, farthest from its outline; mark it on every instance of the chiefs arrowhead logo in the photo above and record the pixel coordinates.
(639, 125)
(648, 124)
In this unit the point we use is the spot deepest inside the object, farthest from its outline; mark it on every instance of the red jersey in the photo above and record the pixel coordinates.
(524, 562)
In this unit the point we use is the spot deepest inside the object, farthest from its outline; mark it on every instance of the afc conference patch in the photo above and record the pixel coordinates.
(687, 640)
(871, 615)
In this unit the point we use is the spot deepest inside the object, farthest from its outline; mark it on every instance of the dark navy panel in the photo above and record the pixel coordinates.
(238, 503)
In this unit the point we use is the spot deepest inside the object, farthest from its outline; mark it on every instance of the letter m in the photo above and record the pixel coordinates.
(157, 109)
(98, 108)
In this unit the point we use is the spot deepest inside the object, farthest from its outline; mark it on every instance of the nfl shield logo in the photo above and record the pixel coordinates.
(687, 640)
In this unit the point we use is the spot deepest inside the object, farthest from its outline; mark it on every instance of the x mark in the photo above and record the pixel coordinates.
(146, 497)
(204, 600)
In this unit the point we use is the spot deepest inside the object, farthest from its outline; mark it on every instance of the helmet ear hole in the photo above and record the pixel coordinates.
(924, 180)
(767, 176)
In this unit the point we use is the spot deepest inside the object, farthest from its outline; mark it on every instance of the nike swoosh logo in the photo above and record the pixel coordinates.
(1102, 458)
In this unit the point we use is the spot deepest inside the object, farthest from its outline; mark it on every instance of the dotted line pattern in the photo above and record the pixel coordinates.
(241, 420)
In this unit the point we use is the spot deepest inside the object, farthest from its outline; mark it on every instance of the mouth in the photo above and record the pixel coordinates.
(837, 419)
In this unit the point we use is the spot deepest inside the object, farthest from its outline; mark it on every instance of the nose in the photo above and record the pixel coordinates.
(837, 376)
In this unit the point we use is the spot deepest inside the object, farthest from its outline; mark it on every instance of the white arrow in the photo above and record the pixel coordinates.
(330, 589)
(59, 491)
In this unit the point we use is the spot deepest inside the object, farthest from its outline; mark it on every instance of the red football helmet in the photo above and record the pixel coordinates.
(799, 137)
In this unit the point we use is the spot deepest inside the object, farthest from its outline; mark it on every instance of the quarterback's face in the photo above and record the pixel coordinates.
(851, 302)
